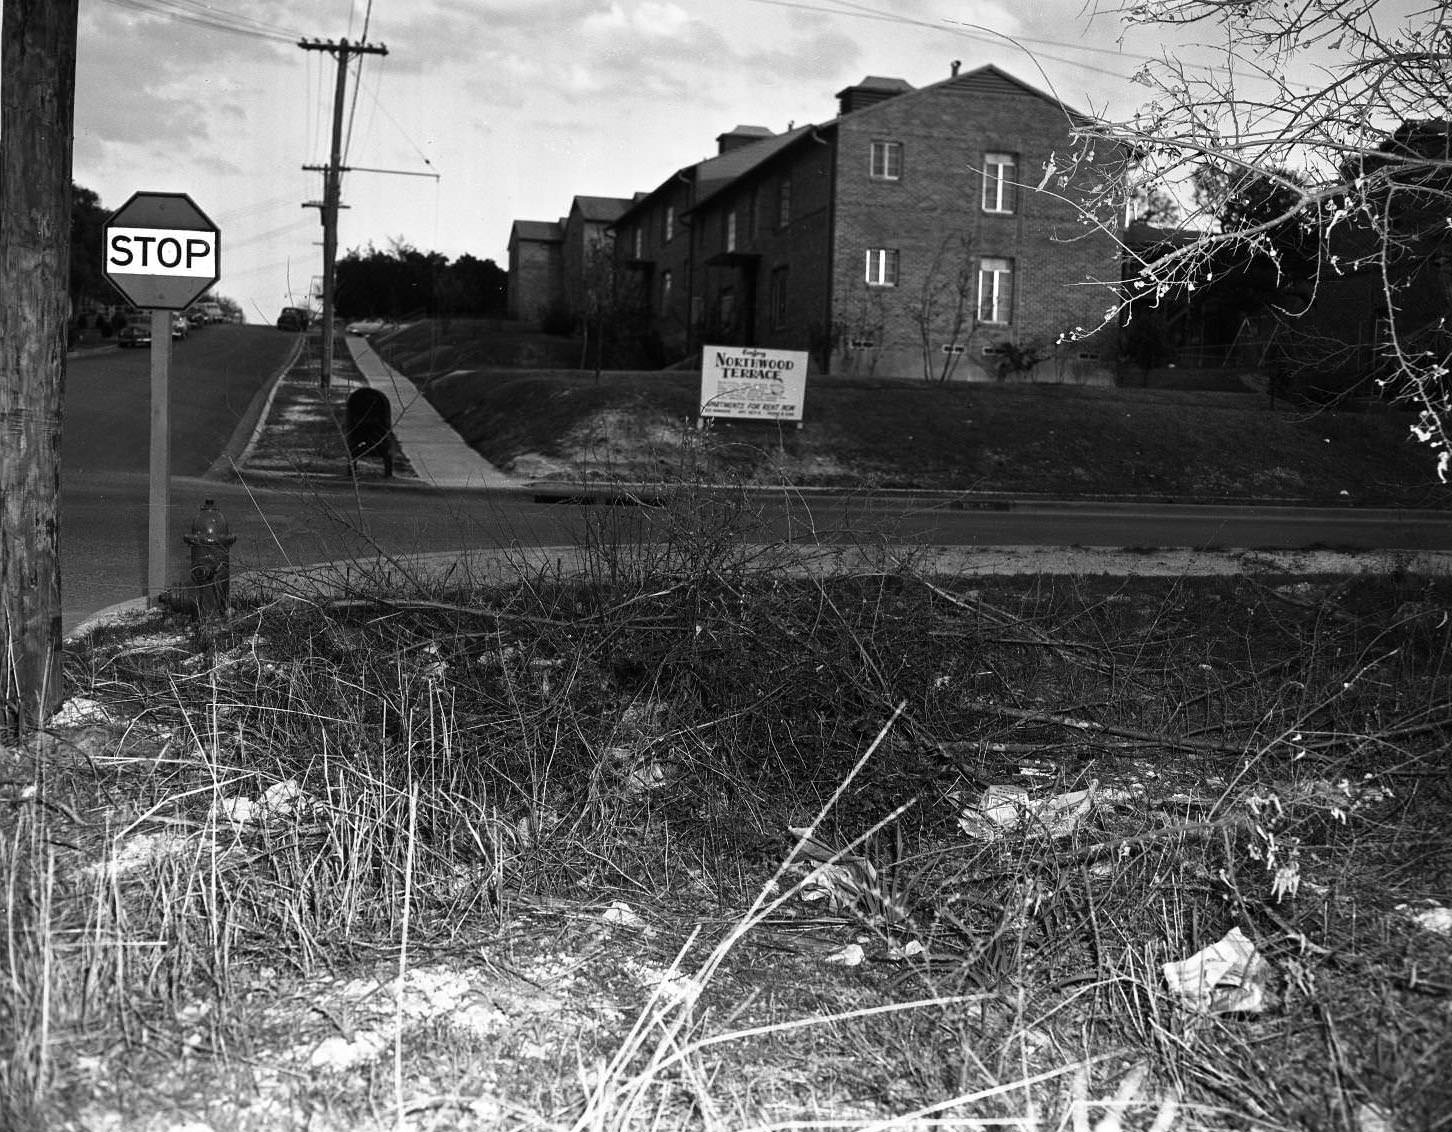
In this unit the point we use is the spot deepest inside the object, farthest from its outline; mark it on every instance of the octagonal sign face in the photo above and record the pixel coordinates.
(161, 251)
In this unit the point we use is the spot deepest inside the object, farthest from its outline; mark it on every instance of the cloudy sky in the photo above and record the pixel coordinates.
(515, 105)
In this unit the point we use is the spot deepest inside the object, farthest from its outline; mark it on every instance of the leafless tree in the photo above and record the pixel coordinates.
(945, 312)
(1351, 94)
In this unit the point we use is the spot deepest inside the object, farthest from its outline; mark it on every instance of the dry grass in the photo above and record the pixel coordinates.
(305, 434)
(553, 421)
(595, 851)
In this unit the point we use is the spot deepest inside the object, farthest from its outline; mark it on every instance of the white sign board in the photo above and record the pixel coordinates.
(751, 383)
(158, 251)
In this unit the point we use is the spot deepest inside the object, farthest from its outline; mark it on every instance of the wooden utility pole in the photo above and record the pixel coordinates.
(37, 103)
(333, 185)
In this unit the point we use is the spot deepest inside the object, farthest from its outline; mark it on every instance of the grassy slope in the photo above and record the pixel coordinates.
(1053, 439)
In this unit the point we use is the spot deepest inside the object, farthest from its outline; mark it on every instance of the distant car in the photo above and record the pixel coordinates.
(292, 318)
(180, 327)
(136, 332)
(196, 317)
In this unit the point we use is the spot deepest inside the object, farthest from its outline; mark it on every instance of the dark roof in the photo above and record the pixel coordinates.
(641, 198)
(878, 82)
(604, 209)
(747, 132)
(716, 173)
(544, 230)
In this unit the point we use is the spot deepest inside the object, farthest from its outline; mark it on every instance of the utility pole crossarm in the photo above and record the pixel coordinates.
(332, 184)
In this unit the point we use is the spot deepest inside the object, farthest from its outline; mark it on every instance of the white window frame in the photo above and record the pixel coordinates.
(665, 291)
(995, 291)
(999, 172)
(637, 243)
(670, 223)
(731, 231)
(884, 160)
(883, 267)
(784, 202)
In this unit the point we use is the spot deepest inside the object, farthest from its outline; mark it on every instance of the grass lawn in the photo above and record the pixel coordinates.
(1042, 439)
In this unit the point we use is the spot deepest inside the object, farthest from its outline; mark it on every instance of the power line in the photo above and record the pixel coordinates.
(962, 30)
(204, 15)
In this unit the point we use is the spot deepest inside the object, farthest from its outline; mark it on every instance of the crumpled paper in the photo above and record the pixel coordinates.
(1004, 808)
(1228, 977)
(281, 799)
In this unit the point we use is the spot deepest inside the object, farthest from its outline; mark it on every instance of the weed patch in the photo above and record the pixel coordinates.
(687, 839)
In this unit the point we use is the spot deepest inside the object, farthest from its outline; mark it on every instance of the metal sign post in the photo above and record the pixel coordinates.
(158, 518)
(162, 253)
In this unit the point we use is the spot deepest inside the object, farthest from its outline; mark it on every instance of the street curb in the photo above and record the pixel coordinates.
(253, 422)
(399, 574)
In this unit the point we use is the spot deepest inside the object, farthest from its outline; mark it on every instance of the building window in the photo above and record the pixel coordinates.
(999, 190)
(726, 309)
(882, 267)
(784, 203)
(886, 161)
(670, 223)
(665, 292)
(777, 298)
(731, 231)
(995, 291)
(637, 242)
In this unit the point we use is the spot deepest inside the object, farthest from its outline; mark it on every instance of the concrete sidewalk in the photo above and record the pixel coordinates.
(437, 452)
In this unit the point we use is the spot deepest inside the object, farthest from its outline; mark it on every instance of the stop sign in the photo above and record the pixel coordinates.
(161, 251)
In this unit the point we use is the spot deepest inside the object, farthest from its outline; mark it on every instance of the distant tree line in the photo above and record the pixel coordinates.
(404, 282)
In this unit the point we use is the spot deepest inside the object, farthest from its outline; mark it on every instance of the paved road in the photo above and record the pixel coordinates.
(218, 373)
(217, 377)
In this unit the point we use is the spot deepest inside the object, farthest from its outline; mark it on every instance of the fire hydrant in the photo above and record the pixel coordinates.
(211, 569)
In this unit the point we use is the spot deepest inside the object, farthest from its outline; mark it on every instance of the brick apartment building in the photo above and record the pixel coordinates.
(548, 259)
(904, 237)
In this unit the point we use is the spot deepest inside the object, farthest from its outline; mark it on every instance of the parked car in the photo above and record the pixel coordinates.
(292, 318)
(136, 332)
(180, 327)
(196, 317)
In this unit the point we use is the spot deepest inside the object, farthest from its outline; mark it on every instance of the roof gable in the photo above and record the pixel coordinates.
(602, 209)
(986, 80)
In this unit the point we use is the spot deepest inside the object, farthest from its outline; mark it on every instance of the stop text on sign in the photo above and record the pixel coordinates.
(159, 251)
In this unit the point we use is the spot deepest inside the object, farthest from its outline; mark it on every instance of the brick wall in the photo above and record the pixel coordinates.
(535, 279)
(796, 253)
(666, 258)
(932, 215)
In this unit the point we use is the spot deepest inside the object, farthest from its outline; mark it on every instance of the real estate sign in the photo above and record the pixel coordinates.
(752, 383)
